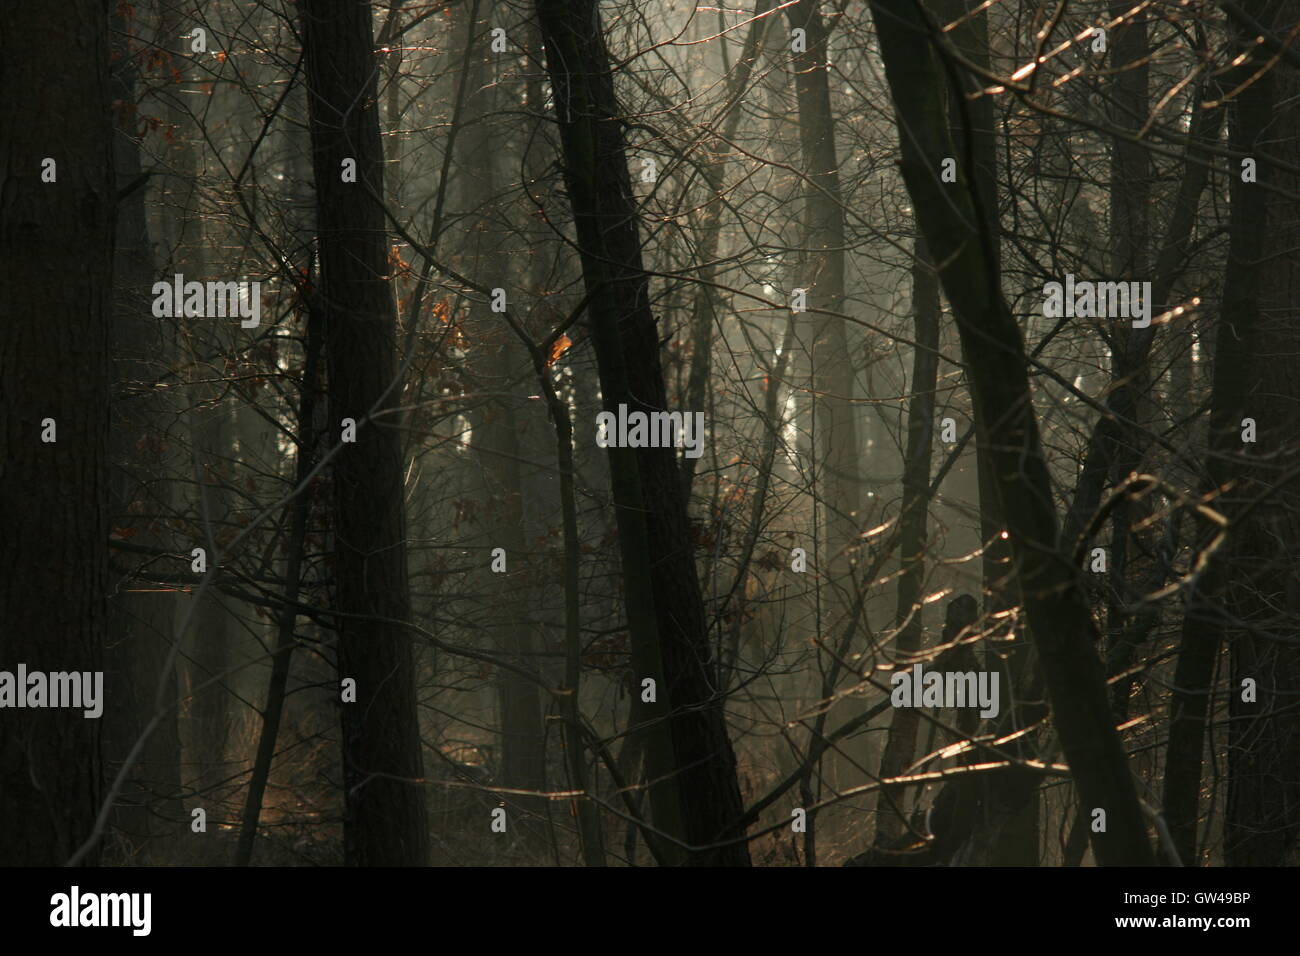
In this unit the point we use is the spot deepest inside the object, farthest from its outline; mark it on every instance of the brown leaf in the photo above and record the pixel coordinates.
(562, 345)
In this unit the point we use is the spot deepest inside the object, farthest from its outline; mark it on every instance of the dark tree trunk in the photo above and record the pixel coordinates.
(698, 798)
(1263, 809)
(1130, 201)
(141, 616)
(209, 464)
(299, 513)
(1003, 806)
(973, 127)
(1204, 622)
(384, 823)
(1061, 626)
(496, 429)
(900, 746)
(56, 242)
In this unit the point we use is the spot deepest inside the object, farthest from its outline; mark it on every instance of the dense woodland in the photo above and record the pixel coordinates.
(373, 570)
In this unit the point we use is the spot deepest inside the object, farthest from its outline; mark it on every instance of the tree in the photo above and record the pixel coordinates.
(138, 651)
(689, 760)
(385, 822)
(1205, 621)
(496, 430)
(900, 746)
(1261, 603)
(953, 221)
(56, 246)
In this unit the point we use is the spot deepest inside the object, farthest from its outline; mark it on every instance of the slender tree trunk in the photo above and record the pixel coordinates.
(1130, 201)
(1059, 619)
(385, 822)
(496, 431)
(299, 511)
(1204, 622)
(822, 269)
(211, 468)
(140, 615)
(590, 835)
(974, 132)
(837, 482)
(1005, 826)
(707, 302)
(206, 467)
(694, 793)
(900, 746)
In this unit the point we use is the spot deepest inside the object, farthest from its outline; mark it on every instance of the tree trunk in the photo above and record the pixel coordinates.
(954, 224)
(56, 242)
(822, 269)
(707, 303)
(1235, 355)
(141, 626)
(665, 608)
(299, 513)
(1002, 806)
(496, 431)
(914, 514)
(1263, 808)
(384, 821)
(836, 483)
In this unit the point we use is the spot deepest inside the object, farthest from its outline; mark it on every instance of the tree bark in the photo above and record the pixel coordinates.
(913, 518)
(956, 226)
(694, 793)
(384, 822)
(299, 509)
(496, 430)
(1204, 623)
(822, 268)
(1003, 807)
(56, 243)
(141, 626)
(708, 300)
(1263, 807)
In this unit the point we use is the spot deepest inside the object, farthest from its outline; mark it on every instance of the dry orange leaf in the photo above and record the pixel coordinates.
(562, 345)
